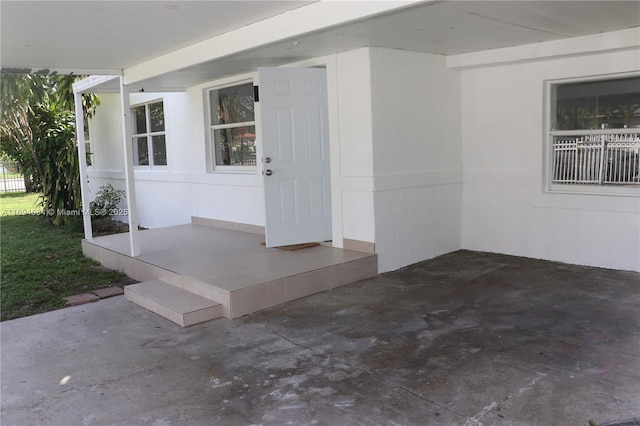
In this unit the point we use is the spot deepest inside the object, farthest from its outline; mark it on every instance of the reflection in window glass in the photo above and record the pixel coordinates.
(159, 150)
(87, 136)
(142, 151)
(150, 147)
(235, 146)
(232, 124)
(139, 120)
(89, 154)
(87, 142)
(232, 105)
(156, 113)
(595, 132)
(605, 104)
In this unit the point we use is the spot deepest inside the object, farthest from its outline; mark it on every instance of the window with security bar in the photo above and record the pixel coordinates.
(595, 132)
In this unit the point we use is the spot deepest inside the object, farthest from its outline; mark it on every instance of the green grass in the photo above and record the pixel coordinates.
(41, 263)
(11, 175)
(14, 202)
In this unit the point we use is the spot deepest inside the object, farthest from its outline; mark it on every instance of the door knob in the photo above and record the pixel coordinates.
(267, 160)
(268, 172)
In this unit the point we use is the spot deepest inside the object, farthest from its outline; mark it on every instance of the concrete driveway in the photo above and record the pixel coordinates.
(464, 339)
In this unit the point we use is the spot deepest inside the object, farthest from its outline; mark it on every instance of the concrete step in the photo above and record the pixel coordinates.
(173, 303)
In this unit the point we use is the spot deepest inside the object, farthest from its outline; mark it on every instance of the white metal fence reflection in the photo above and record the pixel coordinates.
(597, 159)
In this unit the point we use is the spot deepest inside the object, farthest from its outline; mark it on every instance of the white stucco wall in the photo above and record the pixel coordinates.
(417, 156)
(350, 114)
(505, 208)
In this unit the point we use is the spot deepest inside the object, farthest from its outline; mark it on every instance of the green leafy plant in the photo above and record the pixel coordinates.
(106, 201)
(37, 129)
(53, 131)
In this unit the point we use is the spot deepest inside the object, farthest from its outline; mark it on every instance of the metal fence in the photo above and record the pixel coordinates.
(11, 180)
(597, 159)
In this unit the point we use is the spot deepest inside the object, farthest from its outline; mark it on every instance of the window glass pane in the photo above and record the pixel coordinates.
(89, 154)
(222, 138)
(235, 146)
(139, 120)
(86, 130)
(141, 151)
(159, 150)
(156, 113)
(609, 104)
(232, 104)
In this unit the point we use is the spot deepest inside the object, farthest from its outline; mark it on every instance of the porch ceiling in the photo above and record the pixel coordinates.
(114, 35)
(106, 37)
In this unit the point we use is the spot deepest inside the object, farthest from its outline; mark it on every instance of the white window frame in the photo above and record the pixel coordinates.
(149, 136)
(88, 145)
(632, 190)
(211, 148)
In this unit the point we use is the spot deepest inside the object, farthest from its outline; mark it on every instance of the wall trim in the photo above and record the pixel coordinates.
(197, 178)
(105, 174)
(394, 182)
(224, 224)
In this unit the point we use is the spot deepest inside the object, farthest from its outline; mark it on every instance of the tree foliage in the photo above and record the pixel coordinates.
(38, 131)
(55, 132)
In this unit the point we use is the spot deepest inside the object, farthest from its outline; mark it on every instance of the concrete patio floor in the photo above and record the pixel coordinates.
(464, 339)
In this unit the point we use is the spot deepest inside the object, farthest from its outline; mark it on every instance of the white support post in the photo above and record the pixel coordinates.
(82, 156)
(128, 170)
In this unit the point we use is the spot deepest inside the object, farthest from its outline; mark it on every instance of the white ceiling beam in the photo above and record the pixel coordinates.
(61, 71)
(98, 84)
(295, 23)
(615, 40)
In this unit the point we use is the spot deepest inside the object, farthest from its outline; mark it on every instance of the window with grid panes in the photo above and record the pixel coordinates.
(232, 129)
(148, 134)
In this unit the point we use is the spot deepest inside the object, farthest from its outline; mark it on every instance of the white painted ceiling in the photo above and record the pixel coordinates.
(113, 35)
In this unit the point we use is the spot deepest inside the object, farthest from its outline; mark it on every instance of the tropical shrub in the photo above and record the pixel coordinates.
(106, 201)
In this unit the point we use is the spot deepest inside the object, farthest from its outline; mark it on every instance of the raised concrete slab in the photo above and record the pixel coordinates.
(231, 267)
(176, 304)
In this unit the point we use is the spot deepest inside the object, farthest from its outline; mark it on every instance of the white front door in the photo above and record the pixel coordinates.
(295, 139)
